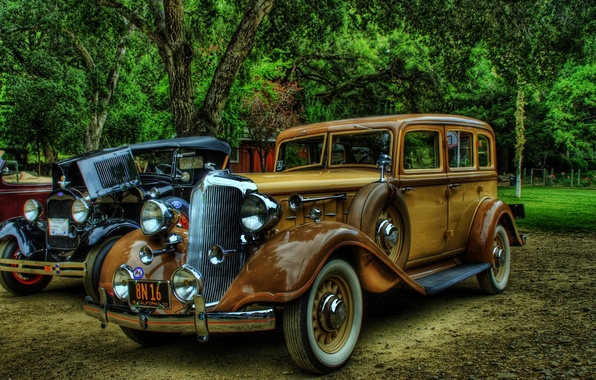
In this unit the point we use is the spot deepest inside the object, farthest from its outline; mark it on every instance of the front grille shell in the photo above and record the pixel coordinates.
(59, 207)
(215, 219)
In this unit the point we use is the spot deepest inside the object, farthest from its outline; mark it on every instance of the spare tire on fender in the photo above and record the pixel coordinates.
(379, 211)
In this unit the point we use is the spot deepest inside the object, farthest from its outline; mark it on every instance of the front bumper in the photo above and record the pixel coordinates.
(200, 322)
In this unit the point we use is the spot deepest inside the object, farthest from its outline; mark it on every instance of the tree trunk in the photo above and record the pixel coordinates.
(177, 55)
(209, 116)
(519, 138)
(168, 33)
(100, 103)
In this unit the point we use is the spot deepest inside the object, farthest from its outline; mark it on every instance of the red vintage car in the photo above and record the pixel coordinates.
(17, 185)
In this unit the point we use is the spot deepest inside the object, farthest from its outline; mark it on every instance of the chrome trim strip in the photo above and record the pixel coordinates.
(49, 268)
(200, 322)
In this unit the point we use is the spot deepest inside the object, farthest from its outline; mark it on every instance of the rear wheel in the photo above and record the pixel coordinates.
(149, 338)
(21, 284)
(494, 280)
(322, 326)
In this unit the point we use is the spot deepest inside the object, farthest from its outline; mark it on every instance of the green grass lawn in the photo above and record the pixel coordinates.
(554, 209)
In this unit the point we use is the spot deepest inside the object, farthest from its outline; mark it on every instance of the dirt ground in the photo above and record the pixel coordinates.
(542, 327)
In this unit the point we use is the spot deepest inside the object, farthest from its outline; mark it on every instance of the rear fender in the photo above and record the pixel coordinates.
(490, 213)
(31, 237)
(285, 266)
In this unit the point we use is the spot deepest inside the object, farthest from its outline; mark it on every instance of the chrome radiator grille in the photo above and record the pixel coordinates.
(214, 219)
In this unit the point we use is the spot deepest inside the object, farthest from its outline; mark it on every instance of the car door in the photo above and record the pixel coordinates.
(466, 183)
(423, 183)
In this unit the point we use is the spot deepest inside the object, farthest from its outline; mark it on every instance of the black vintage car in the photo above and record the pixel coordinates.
(97, 198)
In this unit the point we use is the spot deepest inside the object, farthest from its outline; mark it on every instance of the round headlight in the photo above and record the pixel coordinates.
(32, 210)
(259, 212)
(80, 210)
(186, 282)
(120, 281)
(155, 217)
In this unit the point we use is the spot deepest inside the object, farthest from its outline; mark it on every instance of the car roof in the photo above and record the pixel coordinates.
(192, 142)
(377, 121)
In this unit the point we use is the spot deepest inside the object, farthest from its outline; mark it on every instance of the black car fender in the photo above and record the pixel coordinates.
(105, 229)
(178, 203)
(31, 236)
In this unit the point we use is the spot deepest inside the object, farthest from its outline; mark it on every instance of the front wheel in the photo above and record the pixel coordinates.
(494, 280)
(20, 284)
(322, 326)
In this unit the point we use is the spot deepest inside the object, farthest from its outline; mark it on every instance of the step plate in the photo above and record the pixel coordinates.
(436, 282)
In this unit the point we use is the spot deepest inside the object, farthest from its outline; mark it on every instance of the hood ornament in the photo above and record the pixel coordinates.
(63, 182)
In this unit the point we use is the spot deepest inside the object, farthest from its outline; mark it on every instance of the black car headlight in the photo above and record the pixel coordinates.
(80, 210)
(259, 212)
(157, 217)
(32, 209)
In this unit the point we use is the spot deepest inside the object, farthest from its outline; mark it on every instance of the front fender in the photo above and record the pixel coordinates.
(106, 228)
(283, 268)
(490, 213)
(31, 237)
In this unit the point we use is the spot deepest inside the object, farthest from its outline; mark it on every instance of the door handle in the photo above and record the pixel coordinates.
(405, 189)
(453, 185)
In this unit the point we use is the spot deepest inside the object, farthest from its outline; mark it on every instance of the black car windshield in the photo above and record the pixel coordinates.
(154, 162)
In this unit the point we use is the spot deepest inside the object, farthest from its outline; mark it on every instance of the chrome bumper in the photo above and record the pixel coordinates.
(200, 322)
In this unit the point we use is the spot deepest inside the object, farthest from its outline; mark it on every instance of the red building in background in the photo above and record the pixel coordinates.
(245, 158)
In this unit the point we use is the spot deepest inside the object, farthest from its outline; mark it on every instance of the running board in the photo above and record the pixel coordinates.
(436, 282)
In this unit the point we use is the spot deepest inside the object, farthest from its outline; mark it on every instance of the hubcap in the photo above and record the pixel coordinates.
(387, 235)
(332, 313)
(499, 257)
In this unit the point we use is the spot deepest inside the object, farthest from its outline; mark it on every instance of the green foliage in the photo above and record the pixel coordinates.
(348, 57)
(572, 109)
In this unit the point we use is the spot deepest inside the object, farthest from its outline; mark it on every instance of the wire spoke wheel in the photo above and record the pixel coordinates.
(323, 325)
(494, 280)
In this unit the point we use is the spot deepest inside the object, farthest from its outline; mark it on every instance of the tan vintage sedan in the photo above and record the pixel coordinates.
(368, 204)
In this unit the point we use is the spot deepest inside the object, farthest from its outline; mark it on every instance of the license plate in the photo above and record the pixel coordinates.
(58, 226)
(149, 294)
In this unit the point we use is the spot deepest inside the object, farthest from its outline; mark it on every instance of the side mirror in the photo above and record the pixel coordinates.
(383, 162)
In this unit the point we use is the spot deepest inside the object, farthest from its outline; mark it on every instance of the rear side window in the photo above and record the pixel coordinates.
(421, 150)
(461, 149)
(485, 154)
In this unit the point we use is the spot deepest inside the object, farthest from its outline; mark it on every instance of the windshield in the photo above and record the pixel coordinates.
(300, 153)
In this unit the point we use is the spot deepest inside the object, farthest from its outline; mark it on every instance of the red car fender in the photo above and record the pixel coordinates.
(285, 266)
(490, 213)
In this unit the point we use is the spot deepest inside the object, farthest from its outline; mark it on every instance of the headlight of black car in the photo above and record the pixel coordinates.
(156, 217)
(80, 210)
(259, 212)
(32, 210)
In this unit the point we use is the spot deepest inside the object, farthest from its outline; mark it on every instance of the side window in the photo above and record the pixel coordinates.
(421, 150)
(359, 148)
(461, 149)
(484, 151)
